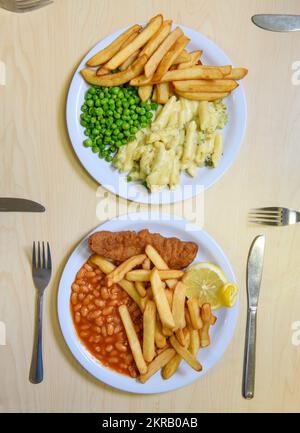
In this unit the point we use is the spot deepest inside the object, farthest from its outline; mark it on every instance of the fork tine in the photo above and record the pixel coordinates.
(265, 217)
(266, 223)
(49, 262)
(44, 257)
(33, 257)
(39, 255)
(31, 5)
(268, 209)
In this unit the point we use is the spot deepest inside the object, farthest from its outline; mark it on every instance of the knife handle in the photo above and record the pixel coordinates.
(249, 360)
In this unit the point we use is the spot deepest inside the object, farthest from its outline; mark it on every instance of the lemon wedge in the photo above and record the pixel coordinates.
(206, 281)
(229, 293)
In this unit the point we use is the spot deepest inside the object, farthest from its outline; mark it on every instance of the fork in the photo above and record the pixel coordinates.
(274, 216)
(24, 5)
(41, 274)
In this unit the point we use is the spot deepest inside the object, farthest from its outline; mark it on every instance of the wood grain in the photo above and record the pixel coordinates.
(40, 51)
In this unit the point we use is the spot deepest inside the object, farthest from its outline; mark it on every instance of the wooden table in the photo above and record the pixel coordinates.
(40, 51)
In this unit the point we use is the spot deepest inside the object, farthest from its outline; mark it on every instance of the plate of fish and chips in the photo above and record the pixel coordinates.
(126, 310)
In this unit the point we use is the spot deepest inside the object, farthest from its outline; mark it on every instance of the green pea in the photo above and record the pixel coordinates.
(125, 125)
(143, 125)
(117, 115)
(95, 149)
(90, 103)
(154, 106)
(133, 130)
(142, 111)
(143, 119)
(149, 115)
(93, 120)
(84, 108)
(88, 143)
(127, 133)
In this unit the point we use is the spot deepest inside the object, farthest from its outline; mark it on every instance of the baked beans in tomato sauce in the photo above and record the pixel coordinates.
(94, 309)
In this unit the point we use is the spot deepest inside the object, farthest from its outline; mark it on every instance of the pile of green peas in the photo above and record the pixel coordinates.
(112, 116)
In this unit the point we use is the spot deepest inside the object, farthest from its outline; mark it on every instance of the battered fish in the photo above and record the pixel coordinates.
(119, 246)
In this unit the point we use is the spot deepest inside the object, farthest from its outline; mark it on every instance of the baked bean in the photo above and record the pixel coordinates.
(113, 360)
(110, 329)
(84, 311)
(94, 314)
(107, 311)
(99, 321)
(84, 334)
(109, 340)
(97, 339)
(104, 293)
(91, 307)
(85, 327)
(96, 329)
(99, 302)
(84, 289)
(77, 317)
(96, 293)
(88, 267)
(103, 331)
(81, 273)
(90, 274)
(77, 307)
(114, 301)
(117, 329)
(109, 348)
(75, 287)
(96, 279)
(87, 300)
(120, 347)
(74, 298)
(81, 296)
(97, 348)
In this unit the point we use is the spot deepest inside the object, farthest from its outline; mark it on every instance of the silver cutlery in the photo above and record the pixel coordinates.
(274, 216)
(277, 22)
(41, 274)
(24, 5)
(254, 274)
(9, 204)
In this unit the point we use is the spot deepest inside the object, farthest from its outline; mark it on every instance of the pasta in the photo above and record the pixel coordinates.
(183, 136)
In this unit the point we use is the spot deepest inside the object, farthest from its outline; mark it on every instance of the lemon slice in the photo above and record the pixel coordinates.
(229, 294)
(206, 281)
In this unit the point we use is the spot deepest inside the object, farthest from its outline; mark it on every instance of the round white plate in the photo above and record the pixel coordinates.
(112, 180)
(221, 333)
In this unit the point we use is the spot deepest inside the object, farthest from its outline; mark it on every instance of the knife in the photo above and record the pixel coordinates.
(254, 274)
(9, 204)
(277, 23)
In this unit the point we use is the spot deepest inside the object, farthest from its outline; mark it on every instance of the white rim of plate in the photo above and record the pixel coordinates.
(110, 377)
(133, 191)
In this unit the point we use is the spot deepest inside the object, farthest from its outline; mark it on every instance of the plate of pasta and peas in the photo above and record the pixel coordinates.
(154, 111)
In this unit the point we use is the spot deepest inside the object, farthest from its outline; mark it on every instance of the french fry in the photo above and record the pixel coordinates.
(171, 283)
(169, 295)
(205, 85)
(188, 318)
(117, 79)
(140, 288)
(149, 319)
(154, 94)
(133, 339)
(119, 273)
(104, 265)
(102, 71)
(194, 56)
(161, 51)
(146, 264)
(160, 339)
(108, 52)
(170, 368)
(160, 361)
(187, 337)
(157, 39)
(194, 345)
(236, 74)
(196, 72)
(141, 39)
(161, 301)
(145, 92)
(185, 354)
(156, 258)
(213, 319)
(180, 336)
(194, 310)
(129, 61)
(139, 81)
(204, 331)
(198, 96)
(171, 55)
(178, 305)
(129, 288)
(145, 275)
(163, 93)
(183, 57)
(166, 331)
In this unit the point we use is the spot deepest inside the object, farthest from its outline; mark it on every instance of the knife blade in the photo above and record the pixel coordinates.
(254, 276)
(277, 22)
(10, 204)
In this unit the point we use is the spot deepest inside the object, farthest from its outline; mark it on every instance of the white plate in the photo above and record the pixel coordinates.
(221, 333)
(115, 182)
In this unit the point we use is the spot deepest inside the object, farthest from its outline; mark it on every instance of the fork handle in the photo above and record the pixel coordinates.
(37, 370)
(249, 360)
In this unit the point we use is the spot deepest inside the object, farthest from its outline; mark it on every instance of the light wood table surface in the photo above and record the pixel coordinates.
(40, 51)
